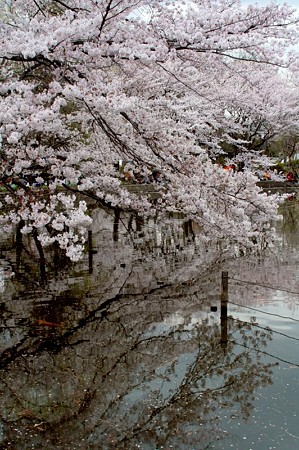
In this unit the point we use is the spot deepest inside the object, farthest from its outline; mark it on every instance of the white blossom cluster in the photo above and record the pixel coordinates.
(85, 84)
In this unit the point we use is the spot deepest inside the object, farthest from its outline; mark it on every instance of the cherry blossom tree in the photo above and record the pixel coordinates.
(85, 84)
(267, 109)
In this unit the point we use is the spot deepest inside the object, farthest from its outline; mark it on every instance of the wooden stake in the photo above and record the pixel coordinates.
(224, 300)
(90, 251)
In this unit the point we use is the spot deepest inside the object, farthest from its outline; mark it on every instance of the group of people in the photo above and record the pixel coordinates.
(140, 178)
(131, 174)
(291, 176)
(236, 167)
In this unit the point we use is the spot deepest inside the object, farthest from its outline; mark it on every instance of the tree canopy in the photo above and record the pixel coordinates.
(164, 85)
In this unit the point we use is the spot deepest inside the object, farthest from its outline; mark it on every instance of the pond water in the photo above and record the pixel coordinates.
(129, 349)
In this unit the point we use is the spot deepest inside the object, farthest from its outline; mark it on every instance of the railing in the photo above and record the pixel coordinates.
(279, 186)
(224, 318)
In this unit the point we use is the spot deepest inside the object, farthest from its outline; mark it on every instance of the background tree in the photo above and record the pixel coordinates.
(268, 109)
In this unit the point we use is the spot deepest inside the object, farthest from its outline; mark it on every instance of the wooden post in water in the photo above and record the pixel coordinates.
(90, 251)
(116, 224)
(223, 317)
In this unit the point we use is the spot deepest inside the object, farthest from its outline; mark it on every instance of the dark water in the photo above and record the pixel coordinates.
(127, 349)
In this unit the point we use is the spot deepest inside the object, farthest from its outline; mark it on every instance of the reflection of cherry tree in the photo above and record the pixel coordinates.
(123, 378)
(118, 251)
(290, 223)
(258, 281)
(187, 411)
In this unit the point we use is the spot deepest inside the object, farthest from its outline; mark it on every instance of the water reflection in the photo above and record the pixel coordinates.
(127, 376)
(128, 356)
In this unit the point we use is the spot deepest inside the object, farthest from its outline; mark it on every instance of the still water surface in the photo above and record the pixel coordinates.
(125, 350)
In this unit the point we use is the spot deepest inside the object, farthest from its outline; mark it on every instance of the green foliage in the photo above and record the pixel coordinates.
(285, 167)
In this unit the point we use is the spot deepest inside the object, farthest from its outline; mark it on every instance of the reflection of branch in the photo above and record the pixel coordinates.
(254, 283)
(205, 366)
(266, 329)
(179, 403)
(265, 312)
(266, 353)
(26, 344)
